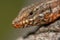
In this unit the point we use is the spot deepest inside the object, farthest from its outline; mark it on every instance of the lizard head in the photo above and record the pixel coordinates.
(24, 18)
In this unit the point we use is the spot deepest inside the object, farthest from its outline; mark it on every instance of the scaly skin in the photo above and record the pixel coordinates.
(38, 14)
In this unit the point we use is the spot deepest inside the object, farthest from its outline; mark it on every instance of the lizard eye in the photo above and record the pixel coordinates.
(31, 13)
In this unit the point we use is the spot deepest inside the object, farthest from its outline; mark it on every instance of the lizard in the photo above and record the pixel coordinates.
(38, 14)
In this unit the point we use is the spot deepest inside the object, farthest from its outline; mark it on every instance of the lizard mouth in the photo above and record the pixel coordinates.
(16, 25)
(23, 23)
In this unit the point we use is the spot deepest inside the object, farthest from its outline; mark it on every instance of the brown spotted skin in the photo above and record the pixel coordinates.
(38, 14)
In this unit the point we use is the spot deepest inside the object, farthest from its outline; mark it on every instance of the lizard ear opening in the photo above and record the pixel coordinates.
(31, 13)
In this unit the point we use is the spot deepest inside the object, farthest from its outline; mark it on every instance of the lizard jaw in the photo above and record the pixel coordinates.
(22, 23)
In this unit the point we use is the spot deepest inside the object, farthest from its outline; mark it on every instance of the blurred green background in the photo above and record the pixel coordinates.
(8, 11)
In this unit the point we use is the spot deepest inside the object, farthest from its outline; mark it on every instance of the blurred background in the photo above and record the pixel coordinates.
(8, 11)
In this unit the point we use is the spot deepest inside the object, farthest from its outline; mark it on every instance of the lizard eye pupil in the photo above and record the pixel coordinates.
(31, 13)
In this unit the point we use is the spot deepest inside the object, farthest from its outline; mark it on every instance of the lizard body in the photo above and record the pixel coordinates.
(38, 14)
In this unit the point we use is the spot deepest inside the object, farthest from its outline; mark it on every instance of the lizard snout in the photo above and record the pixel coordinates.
(17, 24)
